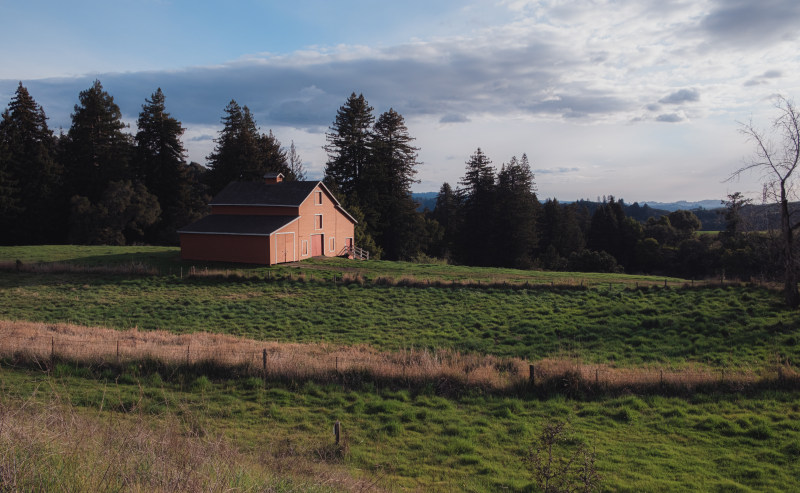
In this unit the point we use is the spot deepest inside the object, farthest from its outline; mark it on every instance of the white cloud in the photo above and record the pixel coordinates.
(601, 72)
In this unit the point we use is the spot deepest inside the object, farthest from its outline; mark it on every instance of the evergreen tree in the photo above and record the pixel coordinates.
(29, 174)
(386, 188)
(242, 153)
(161, 166)
(97, 150)
(295, 162)
(516, 209)
(349, 145)
(477, 245)
(447, 213)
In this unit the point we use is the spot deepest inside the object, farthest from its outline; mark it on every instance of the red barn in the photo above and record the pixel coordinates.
(269, 223)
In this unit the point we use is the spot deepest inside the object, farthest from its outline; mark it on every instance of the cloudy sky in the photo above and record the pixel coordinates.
(638, 99)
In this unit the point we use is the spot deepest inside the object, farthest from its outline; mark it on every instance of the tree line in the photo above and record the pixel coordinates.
(98, 184)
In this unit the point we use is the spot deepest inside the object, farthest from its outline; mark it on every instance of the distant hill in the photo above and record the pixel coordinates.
(425, 200)
(685, 205)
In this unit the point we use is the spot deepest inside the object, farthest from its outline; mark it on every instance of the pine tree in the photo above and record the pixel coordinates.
(447, 214)
(349, 145)
(242, 153)
(386, 184)
(161, 166)
(477, 245)
(295, 162)
(97, 150)
(29, 174)
(516, 209)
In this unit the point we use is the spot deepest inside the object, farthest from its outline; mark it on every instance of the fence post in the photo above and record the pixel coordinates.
(337, 364)
(337, 431)
(531, 375)
(597, 377)
(117, 351)
(52, 351)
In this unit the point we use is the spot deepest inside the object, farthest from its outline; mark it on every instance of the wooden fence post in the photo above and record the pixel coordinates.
(264, 365)
(531, 375)
(52, 351)
(597, 377)
(117, 351)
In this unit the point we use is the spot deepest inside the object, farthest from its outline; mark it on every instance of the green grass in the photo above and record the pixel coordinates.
(708, 443)
(730, 326)
(167, 261)
(416, 439)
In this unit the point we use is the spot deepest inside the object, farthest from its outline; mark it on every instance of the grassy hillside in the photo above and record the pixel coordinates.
(412, 440)
(398, 436)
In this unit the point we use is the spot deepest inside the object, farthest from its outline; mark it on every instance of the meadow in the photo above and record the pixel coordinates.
(718, 439)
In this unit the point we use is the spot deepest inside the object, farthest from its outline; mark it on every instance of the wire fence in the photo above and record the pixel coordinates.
(48, 344)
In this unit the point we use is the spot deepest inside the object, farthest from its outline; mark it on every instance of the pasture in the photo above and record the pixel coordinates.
(714, 440)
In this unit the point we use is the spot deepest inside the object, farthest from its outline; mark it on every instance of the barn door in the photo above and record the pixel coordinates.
(316, 245)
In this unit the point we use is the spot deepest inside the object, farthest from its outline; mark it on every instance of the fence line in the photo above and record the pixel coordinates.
(49, 343)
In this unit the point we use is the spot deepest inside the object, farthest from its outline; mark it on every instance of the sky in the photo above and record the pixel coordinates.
(638, 99)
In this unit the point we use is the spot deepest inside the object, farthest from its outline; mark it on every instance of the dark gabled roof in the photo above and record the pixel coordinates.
(286, 193)
(232, 224)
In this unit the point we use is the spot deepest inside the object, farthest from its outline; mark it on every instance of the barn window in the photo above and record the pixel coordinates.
(333, 244)
(318, 221)
(319, 198)
(305, 247)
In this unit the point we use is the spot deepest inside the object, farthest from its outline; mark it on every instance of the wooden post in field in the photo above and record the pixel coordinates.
(117, 351)
(532, 375)
(597, 377)
(264, 363)
(337, 364)
(52, 351)
(337, 429)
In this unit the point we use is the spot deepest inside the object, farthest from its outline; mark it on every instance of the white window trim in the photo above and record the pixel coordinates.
(318, 198)
(304, 251)
(333, 244)
(321, 224)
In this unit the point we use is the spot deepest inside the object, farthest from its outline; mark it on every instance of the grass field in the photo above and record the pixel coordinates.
(730, 326)
(410, 437)
(652, 443)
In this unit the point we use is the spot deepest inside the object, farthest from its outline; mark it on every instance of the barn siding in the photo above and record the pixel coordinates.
(225, 248)
(254, 210)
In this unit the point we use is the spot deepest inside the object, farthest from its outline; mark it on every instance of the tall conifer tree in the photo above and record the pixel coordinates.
(516, 211)
(386, 185)
(97, 150)
(242, 153)
(30, 211)
(477, 242)
(349, 145)
(160, 165)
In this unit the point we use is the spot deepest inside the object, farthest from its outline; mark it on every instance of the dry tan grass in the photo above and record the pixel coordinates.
(327, 362)
(49, 445)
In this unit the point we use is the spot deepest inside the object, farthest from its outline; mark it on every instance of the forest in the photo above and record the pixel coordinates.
(96, 183)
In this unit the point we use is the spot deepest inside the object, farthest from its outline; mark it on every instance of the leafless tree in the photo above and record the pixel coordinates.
(776, 159)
